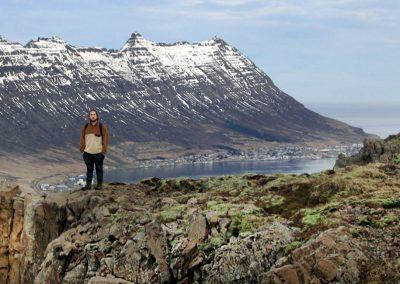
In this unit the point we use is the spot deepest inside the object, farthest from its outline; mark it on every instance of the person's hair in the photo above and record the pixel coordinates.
(92, 109)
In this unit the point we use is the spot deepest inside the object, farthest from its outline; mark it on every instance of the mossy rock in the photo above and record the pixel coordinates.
(229, 185)
(387, 220)
(324, 214)
(173, 242)
(170, 213)
(365, 221)
(183, 199)
(292, 246)
(245, 223)
(217, 241)
(311, 217)
(270, 202)
(222, 209)
(390, 203)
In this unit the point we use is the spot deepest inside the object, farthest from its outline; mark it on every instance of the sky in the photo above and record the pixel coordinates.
(318, 51)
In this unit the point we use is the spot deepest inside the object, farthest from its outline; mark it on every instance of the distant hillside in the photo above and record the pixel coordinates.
(188, 94)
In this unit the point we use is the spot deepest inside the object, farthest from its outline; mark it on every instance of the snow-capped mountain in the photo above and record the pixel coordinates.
(201, 93)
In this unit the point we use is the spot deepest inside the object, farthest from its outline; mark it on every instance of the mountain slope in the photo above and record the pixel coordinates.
(200, 94)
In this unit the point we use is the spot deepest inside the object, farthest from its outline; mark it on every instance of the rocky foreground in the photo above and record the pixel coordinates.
(338, 226)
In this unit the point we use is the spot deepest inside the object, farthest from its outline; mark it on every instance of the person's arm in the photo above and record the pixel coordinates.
(82, 141)
(106, 139)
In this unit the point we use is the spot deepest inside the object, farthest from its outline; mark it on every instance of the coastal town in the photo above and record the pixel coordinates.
(261, 154)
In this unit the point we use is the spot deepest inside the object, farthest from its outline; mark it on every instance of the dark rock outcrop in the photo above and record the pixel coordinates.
(334, 256)
(374, 151)
(337, 226)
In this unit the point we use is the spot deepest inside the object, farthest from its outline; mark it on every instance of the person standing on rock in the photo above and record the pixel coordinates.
(93, 144)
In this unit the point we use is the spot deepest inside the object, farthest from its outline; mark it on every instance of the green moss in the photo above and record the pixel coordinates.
(396, 159)
(390, 203)
(173, 243)
(183, 199)
(270, 200)
(172, 212)
(354, 200)
(365, 221)
(217, 241)
(228, 184)
(355, 232)
(326, 214)
(221, 209)
(245, 222)
(280, 181)
(292, 246)
(387, 220)
(208, 247)
(332, 222)
(246, 192)
(117, 217)
(359, 173)
(311, 217)
(171, 183)
(202, 247)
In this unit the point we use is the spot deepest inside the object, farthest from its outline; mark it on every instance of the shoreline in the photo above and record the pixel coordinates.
(37, 186)
(35, 173)
(218, 161)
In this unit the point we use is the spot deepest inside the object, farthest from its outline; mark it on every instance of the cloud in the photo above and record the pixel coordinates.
(359, 11)
(232, 2)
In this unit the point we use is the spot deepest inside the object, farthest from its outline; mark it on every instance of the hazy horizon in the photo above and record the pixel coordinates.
(381, 119)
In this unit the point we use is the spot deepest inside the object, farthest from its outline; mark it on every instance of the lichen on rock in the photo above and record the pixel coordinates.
(338, 226)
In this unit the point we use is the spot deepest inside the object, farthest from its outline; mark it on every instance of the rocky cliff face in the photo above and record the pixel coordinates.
(28, 225)
(202, 94)
(331, 227)
(374, 151)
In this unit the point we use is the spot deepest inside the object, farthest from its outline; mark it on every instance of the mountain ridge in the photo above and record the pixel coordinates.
(190, 94)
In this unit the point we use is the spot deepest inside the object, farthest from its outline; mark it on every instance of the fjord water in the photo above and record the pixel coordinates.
(379, 119)
(199, 170)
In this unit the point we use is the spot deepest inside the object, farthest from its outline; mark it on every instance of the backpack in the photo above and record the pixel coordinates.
(101, 128)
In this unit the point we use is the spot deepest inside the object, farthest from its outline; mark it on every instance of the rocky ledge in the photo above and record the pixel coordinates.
(374, 151)
(337, 226)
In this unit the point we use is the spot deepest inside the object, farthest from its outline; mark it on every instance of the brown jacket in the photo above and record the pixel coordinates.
(94, 130)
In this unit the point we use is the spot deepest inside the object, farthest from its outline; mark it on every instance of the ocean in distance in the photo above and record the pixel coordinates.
(382, 119)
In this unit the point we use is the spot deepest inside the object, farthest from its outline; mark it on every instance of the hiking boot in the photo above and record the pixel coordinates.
(87, 187)
(98, 187)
